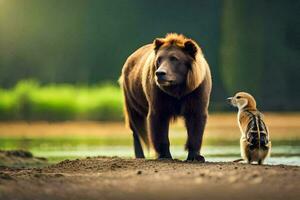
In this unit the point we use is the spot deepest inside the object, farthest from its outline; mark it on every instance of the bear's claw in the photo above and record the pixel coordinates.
(195, 158)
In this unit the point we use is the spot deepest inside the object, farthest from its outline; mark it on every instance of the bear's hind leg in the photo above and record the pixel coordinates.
(137, 125)
(138, 149)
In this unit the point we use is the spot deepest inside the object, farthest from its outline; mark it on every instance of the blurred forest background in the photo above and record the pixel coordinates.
(60, 59)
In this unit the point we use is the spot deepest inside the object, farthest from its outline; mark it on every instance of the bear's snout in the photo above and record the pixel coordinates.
(161, 74)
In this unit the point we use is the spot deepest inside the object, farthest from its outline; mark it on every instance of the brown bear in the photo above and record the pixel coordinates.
(161, 81)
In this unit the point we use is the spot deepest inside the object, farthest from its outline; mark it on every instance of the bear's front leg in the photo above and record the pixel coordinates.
(159, 128)
(195, 124)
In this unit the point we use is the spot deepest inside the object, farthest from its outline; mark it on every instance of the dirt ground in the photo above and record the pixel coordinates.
(115, 178)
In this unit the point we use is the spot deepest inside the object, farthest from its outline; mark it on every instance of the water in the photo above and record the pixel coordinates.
(288, 155)
(71, 140)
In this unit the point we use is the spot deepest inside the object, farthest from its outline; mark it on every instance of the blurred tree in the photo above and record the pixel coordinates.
(49, 39)
(242, 46)
(260, 51)
(248, 44)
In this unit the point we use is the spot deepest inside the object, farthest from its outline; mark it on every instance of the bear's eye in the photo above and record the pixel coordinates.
(238, 97)
(173, 58)
(158, 61)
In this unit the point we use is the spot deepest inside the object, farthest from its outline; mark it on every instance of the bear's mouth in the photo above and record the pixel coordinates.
(164, 82)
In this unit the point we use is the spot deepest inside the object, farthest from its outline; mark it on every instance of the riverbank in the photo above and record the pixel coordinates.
(120, 178)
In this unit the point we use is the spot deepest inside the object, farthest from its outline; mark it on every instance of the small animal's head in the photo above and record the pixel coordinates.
(242, 100)
(177, 62)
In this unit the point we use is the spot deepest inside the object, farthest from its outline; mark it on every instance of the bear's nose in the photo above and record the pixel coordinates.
(160, 73)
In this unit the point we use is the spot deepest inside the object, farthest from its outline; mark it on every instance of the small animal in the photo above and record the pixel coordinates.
(163, 80)
(255, 142)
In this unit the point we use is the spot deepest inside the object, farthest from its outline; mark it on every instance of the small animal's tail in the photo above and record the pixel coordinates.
(238, 160)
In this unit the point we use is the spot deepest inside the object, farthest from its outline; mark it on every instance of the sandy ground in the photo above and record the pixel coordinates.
(120, 178)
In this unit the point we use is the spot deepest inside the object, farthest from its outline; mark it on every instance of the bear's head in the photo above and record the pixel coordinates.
(178, 63)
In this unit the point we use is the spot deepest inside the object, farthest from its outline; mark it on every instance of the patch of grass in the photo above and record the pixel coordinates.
(28, 100)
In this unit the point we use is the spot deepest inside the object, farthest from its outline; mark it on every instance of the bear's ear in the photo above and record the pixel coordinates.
(191, 47)
(158, 42)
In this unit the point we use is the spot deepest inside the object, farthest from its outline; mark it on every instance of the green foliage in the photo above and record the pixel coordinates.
(257, 52)
(30, 101)
(250, 45)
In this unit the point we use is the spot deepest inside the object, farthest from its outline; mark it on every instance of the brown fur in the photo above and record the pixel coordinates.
(184, 91)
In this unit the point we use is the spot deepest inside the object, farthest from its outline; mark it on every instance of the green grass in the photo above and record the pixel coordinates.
(28, 100)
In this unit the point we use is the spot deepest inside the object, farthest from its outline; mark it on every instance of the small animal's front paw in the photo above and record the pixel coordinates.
(195, 158)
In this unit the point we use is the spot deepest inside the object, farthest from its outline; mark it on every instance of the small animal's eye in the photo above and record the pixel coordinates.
(238, 97)
(173, 58)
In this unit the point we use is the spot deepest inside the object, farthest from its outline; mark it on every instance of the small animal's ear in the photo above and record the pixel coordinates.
(158, 42)
(191, 47)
